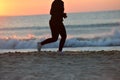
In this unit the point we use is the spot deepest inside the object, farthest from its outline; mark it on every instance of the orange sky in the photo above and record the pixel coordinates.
(30, 7)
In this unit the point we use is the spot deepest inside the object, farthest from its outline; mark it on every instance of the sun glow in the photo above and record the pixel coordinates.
(2, 7)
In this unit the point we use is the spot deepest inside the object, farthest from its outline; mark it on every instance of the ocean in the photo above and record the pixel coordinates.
(85, 31)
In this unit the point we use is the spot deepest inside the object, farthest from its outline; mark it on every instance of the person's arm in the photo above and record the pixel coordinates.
(64, 14)
(52, 10)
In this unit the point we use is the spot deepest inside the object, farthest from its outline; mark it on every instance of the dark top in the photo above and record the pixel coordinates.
(57, 10)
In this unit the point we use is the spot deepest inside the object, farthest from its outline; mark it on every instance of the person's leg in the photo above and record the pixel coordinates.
(54, 32)
(63, 35)
(50, 40)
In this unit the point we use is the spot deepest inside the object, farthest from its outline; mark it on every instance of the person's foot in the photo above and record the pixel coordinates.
(39, 46)
(60, 52)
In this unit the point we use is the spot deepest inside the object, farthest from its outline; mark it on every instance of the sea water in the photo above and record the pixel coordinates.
(85, 31)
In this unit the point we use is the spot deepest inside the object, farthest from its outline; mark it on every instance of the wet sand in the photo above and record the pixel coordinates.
(86, 65)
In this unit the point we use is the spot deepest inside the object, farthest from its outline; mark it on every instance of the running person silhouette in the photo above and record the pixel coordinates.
(56, 25)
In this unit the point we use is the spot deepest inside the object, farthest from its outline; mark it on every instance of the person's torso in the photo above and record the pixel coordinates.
(57, 11)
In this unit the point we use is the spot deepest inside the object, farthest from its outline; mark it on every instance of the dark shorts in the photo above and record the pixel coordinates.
(57, 27)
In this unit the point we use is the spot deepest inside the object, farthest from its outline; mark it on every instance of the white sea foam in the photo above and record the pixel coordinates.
(30, 42)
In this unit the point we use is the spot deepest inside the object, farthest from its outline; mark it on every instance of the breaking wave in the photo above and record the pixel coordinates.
(30, 41)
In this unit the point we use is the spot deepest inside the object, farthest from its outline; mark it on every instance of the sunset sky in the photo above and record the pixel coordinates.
(32, 7)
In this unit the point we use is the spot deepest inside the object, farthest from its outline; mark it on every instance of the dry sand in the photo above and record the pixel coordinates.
(94, 65)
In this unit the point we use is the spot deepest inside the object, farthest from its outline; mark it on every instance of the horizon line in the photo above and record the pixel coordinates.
(48, 14)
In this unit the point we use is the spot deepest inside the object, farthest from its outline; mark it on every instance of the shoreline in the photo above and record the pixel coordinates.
(64, 52)
(76, 49)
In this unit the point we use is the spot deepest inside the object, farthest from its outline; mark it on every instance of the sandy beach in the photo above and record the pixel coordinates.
(86, 65)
